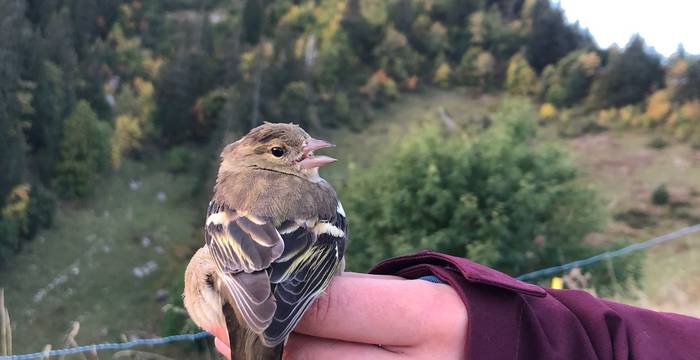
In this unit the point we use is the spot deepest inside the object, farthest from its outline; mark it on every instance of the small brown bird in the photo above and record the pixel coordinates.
(275, 233)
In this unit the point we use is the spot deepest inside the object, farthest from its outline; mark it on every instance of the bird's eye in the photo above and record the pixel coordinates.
(277, 151)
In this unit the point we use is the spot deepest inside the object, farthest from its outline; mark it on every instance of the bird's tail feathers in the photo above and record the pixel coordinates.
(245, 344)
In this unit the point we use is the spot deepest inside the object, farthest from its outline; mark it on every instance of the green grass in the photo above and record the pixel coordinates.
(82, 269)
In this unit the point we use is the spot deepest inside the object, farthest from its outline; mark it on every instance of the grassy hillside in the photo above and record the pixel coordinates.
(106, 262)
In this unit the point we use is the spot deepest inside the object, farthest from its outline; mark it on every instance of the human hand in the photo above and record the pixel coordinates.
(410, 319)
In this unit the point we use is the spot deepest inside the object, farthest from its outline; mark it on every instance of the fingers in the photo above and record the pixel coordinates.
(377, 310)
(307, 347)
(222, 348)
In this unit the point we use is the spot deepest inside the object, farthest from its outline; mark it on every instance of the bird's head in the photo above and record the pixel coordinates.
(284, 148)
(201, 297)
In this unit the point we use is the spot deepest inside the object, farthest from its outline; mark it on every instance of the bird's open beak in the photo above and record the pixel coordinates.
(309, 160)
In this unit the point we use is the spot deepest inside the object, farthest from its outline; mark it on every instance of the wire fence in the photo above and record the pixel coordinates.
(108, 346)
(525, 277)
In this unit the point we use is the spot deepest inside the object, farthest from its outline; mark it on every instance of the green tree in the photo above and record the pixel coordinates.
(181, 81)
(253, 20)
(551, 37)
(362, 36)
(13, 34)
(337, 66)
(454, 15)
(85, 151)
(477, 68)
(497, 198)
(628, 77)
(295, 102)
(51, 103)
(569, 81)
(689, 87)
(491, 32)
(396, 56)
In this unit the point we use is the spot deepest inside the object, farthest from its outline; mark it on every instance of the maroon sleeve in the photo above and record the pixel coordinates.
(510, 319)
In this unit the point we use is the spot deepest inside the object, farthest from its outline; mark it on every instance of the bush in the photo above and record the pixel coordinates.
(658, 142)
(497, 199)
(660, 196)
(179, 159)
(380, 89)
(40, 210)
(27, 209)
(208, 110)
(548, 112)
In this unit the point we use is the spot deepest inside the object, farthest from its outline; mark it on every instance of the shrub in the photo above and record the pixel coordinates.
(179, 159)
(548, 111)
(658, 142)
(380, 89)
(15, 214)
(40, 210)
(208, 110)
(497, 199)
(28, 209)
(660, 196)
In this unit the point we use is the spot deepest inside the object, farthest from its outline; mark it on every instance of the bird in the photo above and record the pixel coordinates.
(275, 235)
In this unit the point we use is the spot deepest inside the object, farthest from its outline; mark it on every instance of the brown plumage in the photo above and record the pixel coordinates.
(275, 232)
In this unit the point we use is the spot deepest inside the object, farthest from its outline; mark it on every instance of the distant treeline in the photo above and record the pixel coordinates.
(84, 83)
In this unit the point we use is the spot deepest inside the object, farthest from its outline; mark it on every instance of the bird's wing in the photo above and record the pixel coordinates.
(273, 275)
(311, 257)
(243, 247)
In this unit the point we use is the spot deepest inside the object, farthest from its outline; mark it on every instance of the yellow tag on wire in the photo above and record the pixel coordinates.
(557, 283)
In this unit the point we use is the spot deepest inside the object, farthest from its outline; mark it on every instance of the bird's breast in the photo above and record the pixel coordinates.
(277, 196)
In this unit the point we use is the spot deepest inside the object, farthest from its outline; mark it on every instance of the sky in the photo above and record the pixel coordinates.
(662, 24)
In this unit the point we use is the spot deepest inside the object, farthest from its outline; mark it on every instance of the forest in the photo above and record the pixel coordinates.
(95, 92)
